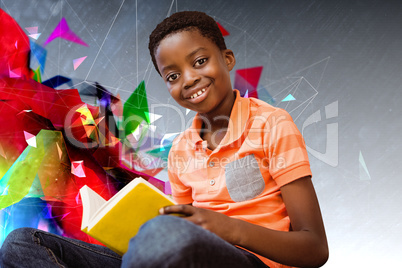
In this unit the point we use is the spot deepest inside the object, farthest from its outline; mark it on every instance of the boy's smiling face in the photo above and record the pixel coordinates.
(196, 72)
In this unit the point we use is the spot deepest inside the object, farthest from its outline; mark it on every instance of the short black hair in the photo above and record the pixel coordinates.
(185, 21)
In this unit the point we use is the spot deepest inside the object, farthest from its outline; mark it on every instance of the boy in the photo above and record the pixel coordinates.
(242, 168)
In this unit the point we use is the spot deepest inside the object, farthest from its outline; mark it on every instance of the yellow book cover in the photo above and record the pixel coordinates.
(116, 221)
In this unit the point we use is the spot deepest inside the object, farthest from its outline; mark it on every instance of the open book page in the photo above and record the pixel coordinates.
(91, 203)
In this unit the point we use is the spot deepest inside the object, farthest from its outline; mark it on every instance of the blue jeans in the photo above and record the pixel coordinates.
(165, 241)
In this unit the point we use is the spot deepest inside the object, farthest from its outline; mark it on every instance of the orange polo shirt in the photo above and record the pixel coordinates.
(261, 151)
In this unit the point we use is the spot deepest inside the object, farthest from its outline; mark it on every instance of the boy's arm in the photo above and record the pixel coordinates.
(305, 246)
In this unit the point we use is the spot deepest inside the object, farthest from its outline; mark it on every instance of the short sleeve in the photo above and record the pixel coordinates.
(285, 149)
(181, 193)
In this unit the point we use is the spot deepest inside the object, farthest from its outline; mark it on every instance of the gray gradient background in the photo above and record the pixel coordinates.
(349, 52)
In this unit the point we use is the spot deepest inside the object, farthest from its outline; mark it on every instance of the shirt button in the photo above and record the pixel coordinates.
(211, 164)
(212, 182)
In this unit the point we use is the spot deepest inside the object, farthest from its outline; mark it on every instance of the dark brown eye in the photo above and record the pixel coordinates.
(172, 77)
(200, 61)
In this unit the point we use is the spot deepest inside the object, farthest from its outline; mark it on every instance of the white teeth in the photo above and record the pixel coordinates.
(197, 94)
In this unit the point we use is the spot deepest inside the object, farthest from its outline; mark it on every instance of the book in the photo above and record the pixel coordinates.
(116, 221)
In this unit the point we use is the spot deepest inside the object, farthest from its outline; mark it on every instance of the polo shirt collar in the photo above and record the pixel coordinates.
(237, 123)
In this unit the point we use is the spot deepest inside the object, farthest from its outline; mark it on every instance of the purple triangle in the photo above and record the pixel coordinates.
(63, 31)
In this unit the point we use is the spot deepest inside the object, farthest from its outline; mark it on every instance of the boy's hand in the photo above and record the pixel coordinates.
(218, 223)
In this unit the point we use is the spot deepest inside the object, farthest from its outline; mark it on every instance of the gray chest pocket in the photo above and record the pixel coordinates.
(243, 179)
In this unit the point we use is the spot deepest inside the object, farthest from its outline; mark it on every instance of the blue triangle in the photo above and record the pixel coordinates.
(264, 95)
(40, 54)
(56, 81)
(289, 98)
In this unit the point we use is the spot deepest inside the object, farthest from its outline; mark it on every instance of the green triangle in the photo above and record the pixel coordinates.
(161, 152)
(36, 75)
(135, 109)
(21, 179)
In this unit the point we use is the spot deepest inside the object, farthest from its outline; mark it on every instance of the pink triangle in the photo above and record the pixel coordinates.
(43, 225)
(168, 188)
(79, 172)
(223, 30)
(16, 73)
(77, 168)
(28, 135)
(77, 62)
(77, 199)
(30, 139)
(63, 31)
(32, 30)
(64, 215)
(251, 75)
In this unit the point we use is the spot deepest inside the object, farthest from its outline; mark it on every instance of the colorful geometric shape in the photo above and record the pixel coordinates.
(77, 62)
(164, 186)
(35, 36)
(161, 152)
(77, 168)
(59, 151)
(288, 98)
(153, 117)
(56, 81)
(223, 30)
(36, 75)
(32, 30)
(263, 94)
(168, 138)
(31, 139)
(16, 73)
(40, 54)
(86, 115)
(135, 109)
(17, 181)
(247, 80)
(2, 152)
(63, 31)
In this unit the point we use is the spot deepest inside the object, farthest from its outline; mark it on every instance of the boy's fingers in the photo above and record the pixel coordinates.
(180, 209)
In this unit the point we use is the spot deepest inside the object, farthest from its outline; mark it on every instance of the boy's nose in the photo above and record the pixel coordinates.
(191, 78)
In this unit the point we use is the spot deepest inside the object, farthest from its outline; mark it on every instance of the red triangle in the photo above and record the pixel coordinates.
(251, 75)
(223, 30)
(76, 165)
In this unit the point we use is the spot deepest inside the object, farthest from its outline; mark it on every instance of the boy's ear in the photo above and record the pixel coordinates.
(229, 57)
